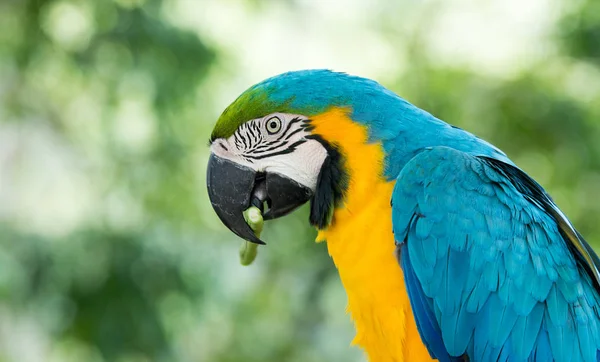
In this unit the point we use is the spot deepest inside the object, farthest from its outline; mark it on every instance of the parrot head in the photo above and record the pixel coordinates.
(265, 151)
(317, 136)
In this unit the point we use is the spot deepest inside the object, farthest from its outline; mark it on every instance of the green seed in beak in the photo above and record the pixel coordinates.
(254, 219)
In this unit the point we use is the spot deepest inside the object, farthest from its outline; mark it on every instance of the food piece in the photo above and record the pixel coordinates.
(248, 251)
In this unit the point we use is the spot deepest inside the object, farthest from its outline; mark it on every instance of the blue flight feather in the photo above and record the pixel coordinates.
(502, 286)
(422, 309)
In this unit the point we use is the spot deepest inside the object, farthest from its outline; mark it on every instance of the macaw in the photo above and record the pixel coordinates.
(446, 249)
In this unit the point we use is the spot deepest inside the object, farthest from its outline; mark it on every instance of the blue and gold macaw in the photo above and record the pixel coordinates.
(446, 249)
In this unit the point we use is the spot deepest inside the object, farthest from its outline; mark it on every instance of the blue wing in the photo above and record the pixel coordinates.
(493, 269)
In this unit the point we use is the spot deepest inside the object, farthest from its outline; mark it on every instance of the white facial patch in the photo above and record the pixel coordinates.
(277, 143)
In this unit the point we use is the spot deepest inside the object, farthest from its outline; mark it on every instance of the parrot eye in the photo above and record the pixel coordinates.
(273, 125)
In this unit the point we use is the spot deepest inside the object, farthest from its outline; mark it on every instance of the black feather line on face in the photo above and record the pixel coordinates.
(332, 185)
(289, 125)
(291, 148)
(242, 136)
(252, 136)
(261, 151)
(292, 133)
(263, 146)
(280, 141)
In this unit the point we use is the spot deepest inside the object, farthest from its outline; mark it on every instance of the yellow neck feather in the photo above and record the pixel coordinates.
(361, 243)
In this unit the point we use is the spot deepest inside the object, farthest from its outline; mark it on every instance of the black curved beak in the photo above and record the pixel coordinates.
(232, 188)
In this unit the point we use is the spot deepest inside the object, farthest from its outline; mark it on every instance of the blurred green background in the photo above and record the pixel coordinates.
(109, 249)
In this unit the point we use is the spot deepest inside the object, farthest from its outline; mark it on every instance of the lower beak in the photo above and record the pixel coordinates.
(233, 188)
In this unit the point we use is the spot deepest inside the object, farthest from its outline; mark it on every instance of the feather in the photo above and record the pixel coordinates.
(497, 276)
(422, 310)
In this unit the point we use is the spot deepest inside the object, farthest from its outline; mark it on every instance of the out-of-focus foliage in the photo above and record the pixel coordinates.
(109, 249)
(104, 109)
(580, 31)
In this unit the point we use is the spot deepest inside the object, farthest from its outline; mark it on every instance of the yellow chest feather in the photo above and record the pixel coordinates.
(361, 243)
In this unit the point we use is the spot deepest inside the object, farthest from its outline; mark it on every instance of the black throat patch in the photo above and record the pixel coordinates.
(332, 184)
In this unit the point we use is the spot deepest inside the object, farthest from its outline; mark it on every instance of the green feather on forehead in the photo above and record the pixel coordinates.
(253, 103)
(308, 93)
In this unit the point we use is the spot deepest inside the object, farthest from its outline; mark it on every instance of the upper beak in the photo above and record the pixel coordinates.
(233, 188)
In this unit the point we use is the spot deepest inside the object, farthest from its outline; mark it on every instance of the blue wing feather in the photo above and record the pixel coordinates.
(427, 324)
(493, 269)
